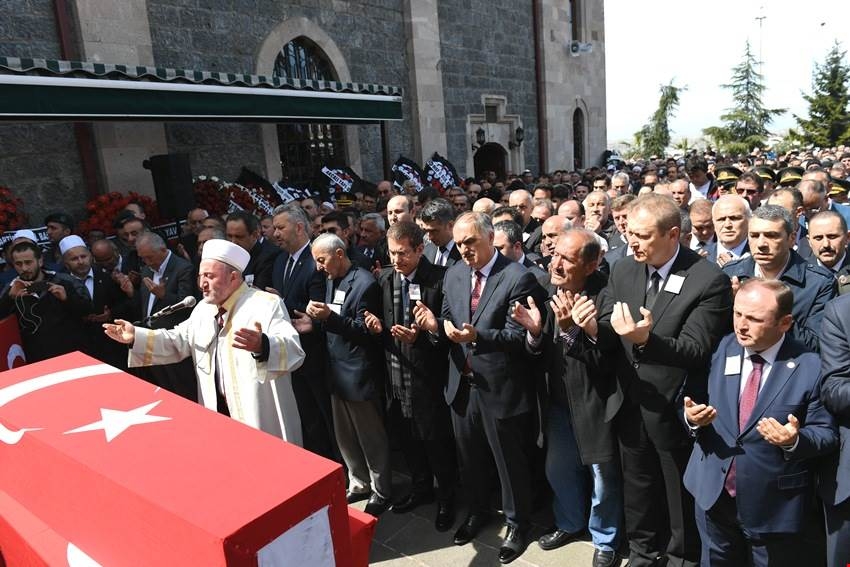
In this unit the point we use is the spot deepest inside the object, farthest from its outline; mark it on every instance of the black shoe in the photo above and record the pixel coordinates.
(556, 539)
(445, 516)
(468, 529)
(353, 497)
(377, 505)
(605, 558)
(412, 501)
(513, 545)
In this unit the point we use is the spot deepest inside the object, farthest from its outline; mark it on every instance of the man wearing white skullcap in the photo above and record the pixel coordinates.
(108, 301)
(241, 341)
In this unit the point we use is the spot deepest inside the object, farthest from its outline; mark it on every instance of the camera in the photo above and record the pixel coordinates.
(38, 288)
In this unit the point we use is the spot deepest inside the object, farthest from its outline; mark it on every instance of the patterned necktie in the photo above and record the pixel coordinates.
(440, 260)
(745, 410)
(405, 301)
(652, 291)
(476, 293)
(287, 272)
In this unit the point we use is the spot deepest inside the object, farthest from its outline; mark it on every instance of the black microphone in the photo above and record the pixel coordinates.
(188, 301)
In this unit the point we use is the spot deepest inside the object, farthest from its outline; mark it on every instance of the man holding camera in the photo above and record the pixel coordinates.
(49, 305)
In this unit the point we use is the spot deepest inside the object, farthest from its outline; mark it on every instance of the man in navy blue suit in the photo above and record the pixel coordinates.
(835, 358)
(296, 280)
(752, 470)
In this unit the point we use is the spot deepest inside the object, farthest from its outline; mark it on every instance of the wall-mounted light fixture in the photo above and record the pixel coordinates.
(519, 136)
(480, 138)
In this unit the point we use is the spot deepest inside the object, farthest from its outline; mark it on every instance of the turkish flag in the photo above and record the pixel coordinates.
(120, 472)
(10, 344)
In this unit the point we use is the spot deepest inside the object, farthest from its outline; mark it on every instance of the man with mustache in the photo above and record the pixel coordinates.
(731, 215)
(828, 239)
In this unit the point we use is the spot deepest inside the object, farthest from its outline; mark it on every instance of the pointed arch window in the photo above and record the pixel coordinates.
(306, 147)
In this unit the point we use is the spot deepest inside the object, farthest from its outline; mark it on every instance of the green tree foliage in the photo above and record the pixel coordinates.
(828, 123)
(654, 137)
(745, 124)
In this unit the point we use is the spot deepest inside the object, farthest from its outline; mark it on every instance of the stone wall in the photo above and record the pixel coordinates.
(39, 162)
(487, 48)
(225, 35)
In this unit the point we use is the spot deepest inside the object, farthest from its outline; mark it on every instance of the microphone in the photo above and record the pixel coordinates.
(188, 302)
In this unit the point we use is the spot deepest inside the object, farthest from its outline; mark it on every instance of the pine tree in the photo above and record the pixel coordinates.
(828, 123)
(654, 137)
(746, 122)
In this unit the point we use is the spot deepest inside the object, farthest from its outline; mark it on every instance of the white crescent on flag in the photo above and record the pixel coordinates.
(21, 389)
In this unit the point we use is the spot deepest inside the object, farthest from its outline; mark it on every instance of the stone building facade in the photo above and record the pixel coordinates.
(465, 66)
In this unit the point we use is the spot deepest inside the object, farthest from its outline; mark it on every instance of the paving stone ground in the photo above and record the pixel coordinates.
(410, 540)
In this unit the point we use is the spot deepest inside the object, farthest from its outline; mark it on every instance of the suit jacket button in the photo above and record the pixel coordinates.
(636, 364)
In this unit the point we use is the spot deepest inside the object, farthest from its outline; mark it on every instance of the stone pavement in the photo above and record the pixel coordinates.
(410, 540)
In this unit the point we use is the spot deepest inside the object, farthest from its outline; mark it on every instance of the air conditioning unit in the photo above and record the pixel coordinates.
(578, 47)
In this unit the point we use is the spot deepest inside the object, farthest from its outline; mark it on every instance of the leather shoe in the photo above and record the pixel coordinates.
(513, 545)
(556, 539)
(377, 505)
(445, 516)
(468, 529)
(353, 497)
(411, 501)
(605, 558)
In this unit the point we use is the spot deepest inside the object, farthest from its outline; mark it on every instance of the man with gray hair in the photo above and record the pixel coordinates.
(771, 239)
(355, 368)
(296, 280)
(372, 241)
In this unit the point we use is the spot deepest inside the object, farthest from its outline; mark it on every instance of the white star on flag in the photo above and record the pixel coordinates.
(115, 422)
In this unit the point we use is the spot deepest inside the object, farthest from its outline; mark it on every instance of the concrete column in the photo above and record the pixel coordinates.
(574, 82)
(118, 31)
(426, 80)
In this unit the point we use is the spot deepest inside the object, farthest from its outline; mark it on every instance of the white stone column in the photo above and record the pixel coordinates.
(118, 31)
(426, 80)
(574, 82)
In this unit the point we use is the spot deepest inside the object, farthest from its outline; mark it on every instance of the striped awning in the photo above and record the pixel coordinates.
(42, 89)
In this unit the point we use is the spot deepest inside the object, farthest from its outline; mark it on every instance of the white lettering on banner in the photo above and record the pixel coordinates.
(344, 184)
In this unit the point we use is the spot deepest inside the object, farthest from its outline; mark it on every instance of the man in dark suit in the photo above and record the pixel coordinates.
(243, 229)
(418, 370)
(339, 223)
(731, 217)
(828, 240)
(355, 368)
(507, 238)
(297, 281)
(372, 241)
(491, 400)
(758, 432)
(771, 238)
(166, 279)
(109, 302)
(790, 199)
(580, 384)
(835, 392)
(437, 219)
(682, 306)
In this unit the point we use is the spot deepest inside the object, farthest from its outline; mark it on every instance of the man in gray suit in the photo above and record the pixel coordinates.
(488, 389)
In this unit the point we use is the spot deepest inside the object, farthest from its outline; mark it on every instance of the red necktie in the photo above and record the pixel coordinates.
(473, 305)
(745, 410)
(476, 293)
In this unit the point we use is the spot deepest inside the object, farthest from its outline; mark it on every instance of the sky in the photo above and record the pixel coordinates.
(695, 44)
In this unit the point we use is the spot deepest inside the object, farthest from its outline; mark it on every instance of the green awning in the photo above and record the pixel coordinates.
(40, 89)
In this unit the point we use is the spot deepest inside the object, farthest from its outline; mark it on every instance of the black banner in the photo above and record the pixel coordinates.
(440, 173)
(405, 169)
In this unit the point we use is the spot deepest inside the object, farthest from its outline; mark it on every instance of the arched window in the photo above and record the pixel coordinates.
(306, 147)
(578, 138)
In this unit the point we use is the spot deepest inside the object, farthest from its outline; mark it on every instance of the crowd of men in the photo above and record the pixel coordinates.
(659, 351)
